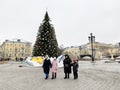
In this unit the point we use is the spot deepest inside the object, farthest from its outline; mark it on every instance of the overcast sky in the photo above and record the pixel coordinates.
(73, 20)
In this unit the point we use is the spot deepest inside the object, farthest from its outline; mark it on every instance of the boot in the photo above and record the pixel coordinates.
(55, 75)
(65, 76)
(68, 76)
(52, 76)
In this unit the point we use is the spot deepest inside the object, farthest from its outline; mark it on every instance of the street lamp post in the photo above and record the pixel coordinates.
(92, 40)
(119, 48)
(80, 48)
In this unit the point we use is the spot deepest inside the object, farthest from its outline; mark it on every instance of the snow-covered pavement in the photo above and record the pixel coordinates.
(101, 65)
(92, 76)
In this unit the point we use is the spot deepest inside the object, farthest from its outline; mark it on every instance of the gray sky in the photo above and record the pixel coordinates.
(73, 20)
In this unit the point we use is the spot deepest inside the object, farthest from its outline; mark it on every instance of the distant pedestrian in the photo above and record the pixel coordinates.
(67, 66)
(46, 66)
(75, 68)
(54, 68)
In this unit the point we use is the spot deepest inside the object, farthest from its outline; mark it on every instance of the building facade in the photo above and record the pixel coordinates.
(0, 52)
(100, 51)
(16, 50)
(73, 52)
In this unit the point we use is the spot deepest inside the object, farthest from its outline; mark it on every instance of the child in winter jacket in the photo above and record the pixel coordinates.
(75, 68)
(54, 68)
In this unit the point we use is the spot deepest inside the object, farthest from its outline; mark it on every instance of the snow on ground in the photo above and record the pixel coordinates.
(30, 62)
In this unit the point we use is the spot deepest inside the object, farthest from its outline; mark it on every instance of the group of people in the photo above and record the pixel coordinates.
(67, 63)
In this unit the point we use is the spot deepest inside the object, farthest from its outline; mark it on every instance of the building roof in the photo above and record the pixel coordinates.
(17, 41)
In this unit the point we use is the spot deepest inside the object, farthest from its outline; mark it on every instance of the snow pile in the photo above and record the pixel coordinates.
(60, 60)
(30, 62)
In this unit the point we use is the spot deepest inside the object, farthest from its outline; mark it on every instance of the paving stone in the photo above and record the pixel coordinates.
(13, 77)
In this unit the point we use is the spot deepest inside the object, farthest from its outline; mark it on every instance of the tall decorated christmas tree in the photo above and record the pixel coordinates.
(46, 43)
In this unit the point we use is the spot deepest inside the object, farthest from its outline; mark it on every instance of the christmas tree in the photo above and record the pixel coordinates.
(46, 43)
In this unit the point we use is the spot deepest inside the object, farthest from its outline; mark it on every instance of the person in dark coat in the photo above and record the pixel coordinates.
(67, 66)
(46, 66)
(75, 68)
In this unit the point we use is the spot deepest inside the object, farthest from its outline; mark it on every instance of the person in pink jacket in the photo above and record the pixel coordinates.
(54, 68)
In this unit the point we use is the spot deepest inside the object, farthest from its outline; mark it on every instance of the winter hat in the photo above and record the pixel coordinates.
(54, 58)
(74, 60)
(46, 56)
